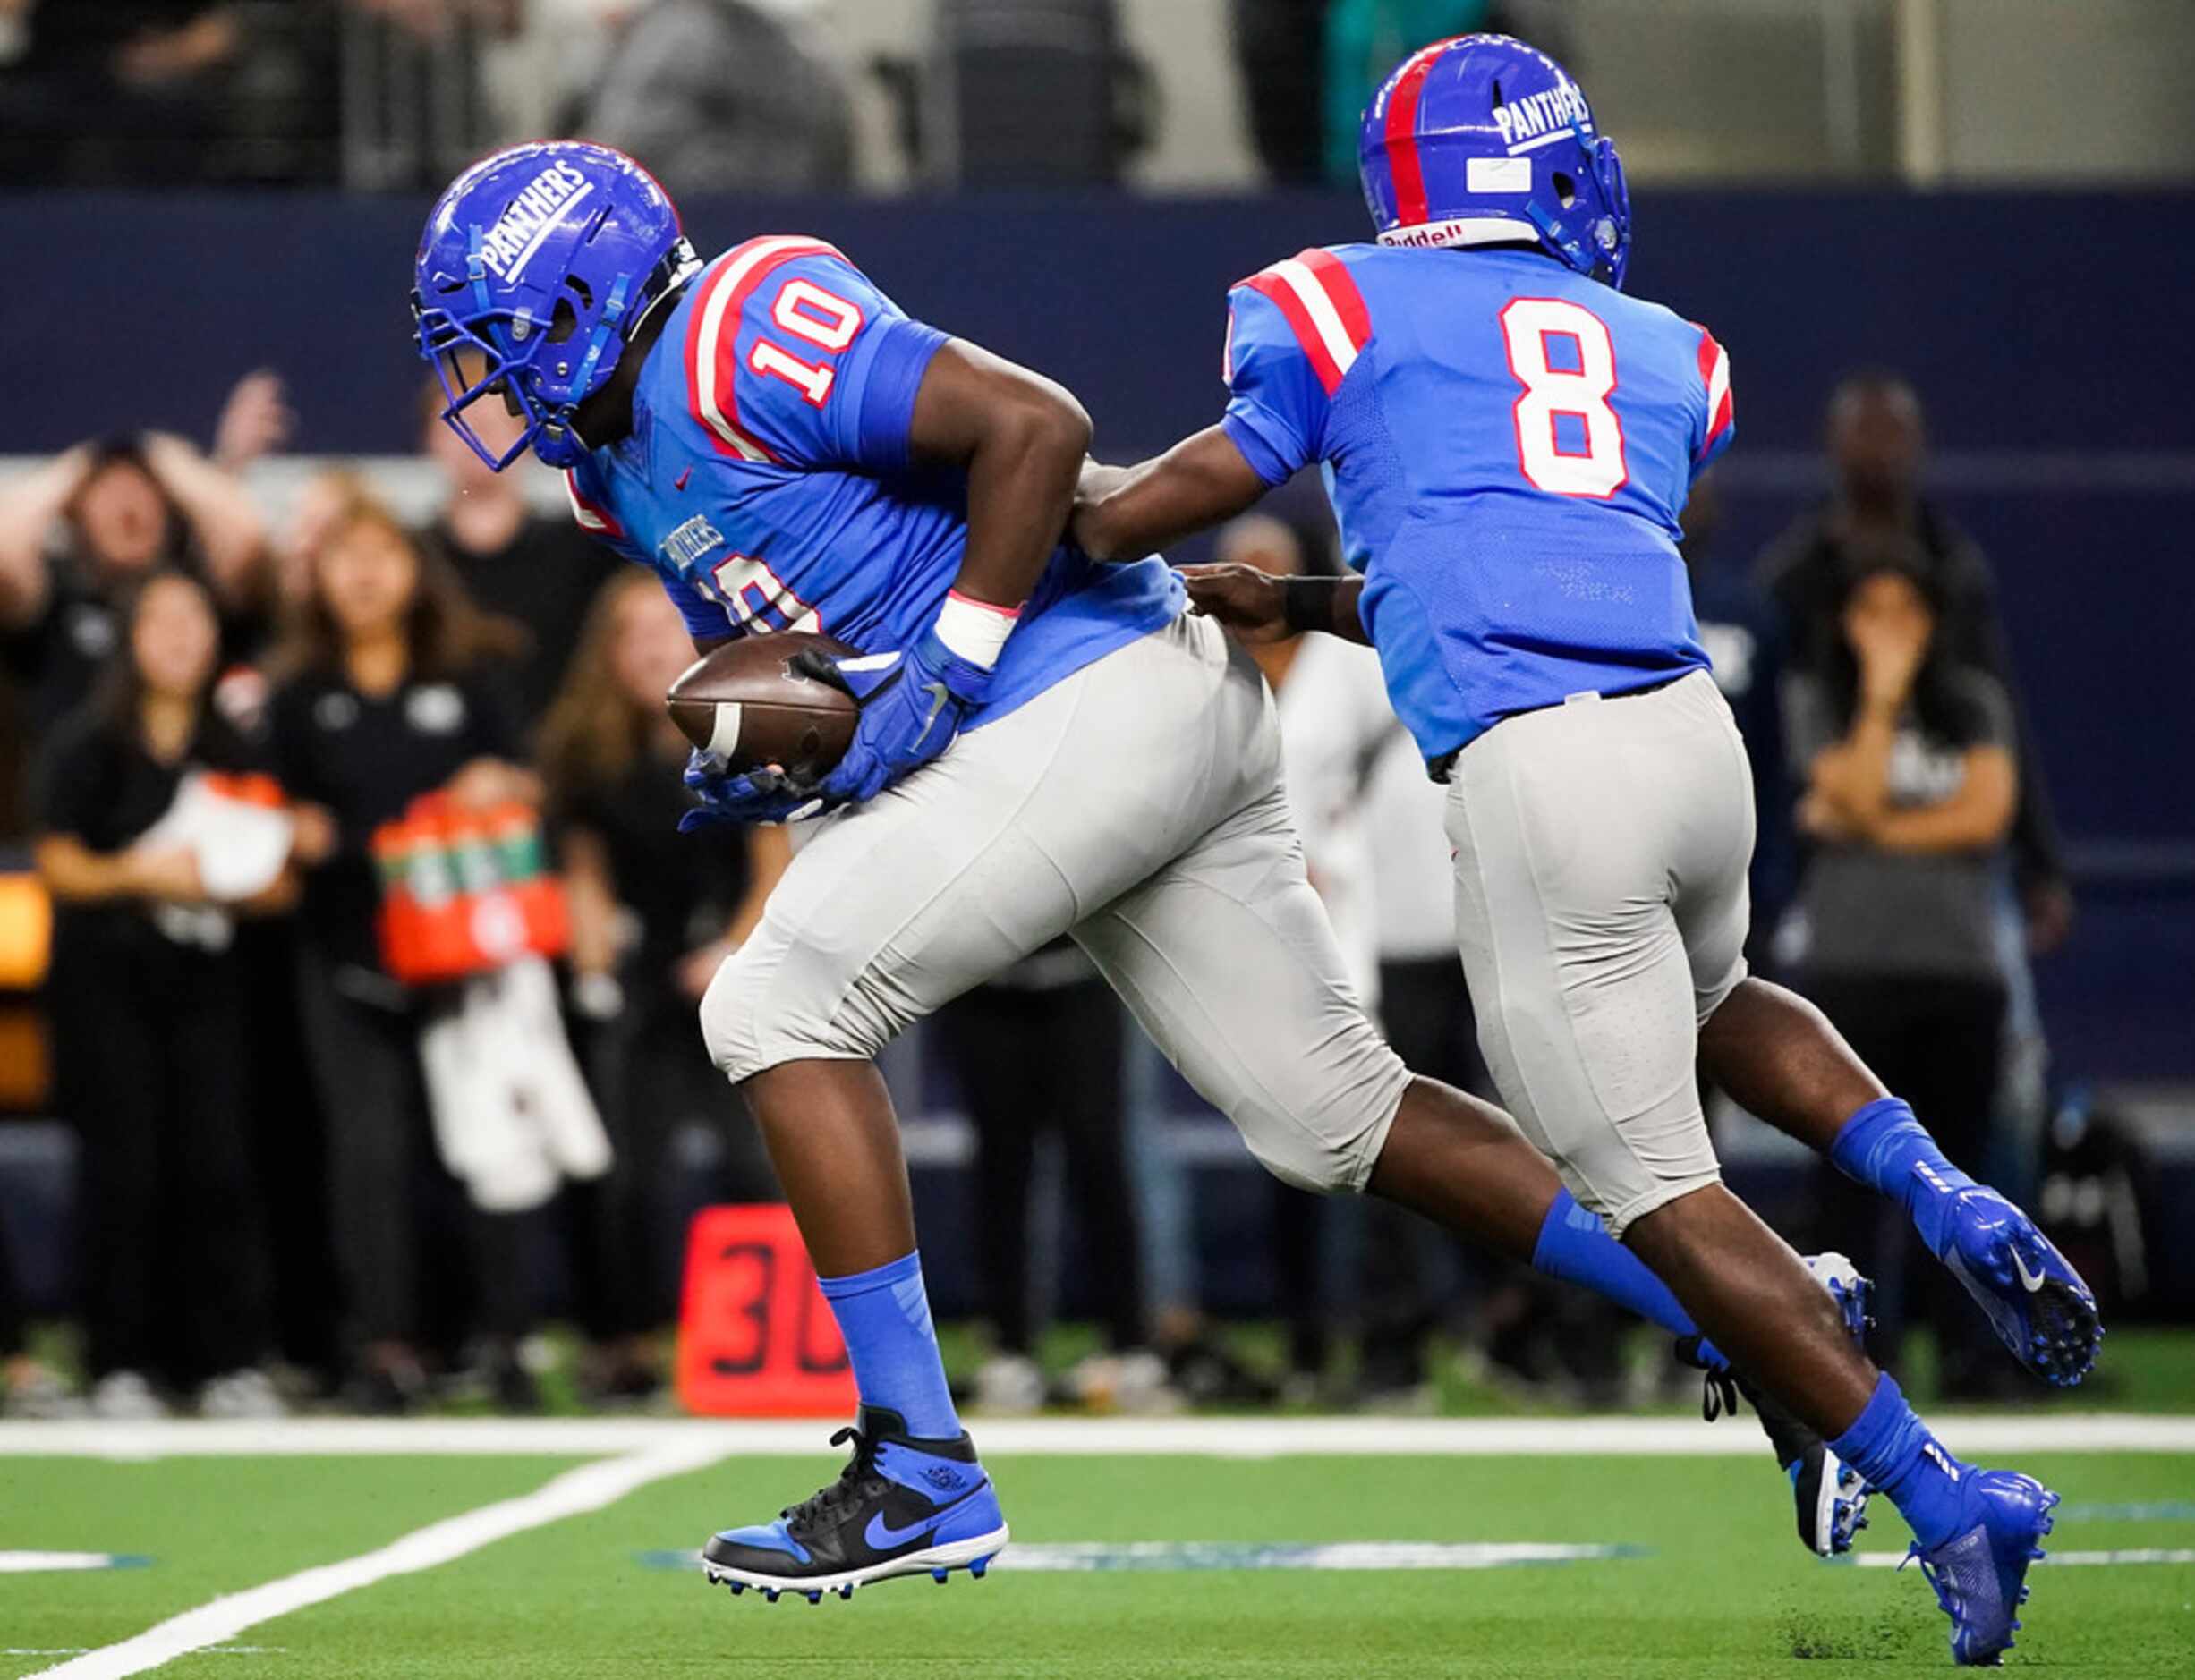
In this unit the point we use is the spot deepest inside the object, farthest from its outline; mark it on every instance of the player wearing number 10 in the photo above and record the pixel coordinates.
(1507, 440)
(1046, 744)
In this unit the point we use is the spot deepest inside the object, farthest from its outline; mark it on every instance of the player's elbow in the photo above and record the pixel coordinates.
(1099, 528)
(1045, 427)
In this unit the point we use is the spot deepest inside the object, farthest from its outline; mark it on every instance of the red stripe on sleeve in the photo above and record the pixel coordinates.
(1710, 354)
(1334, 279)
(1283, 298)
(751, 272)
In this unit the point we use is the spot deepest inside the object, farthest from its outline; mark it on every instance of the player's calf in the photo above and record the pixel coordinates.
(1830, 1496)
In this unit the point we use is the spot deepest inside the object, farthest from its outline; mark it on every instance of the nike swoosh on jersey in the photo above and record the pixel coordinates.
(2030, 1281)
(880, 1534)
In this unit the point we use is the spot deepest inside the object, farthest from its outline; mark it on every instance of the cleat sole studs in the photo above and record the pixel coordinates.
(770, 1594)
(846, 1592)
(938, 1575)
(814, 1597)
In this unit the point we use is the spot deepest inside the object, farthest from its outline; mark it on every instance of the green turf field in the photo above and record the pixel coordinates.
(1711, 1584)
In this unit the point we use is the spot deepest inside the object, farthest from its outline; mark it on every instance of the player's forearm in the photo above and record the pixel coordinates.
(1348, 621)
(1020, 438)
(1021, 485)
(1125, 512)
(1326, 604)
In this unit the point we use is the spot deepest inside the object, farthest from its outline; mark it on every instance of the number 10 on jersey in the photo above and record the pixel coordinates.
(1569, 440)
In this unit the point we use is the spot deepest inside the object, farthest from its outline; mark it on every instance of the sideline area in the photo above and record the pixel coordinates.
(1195, 1437)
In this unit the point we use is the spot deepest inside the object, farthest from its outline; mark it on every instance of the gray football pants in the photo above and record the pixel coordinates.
(1136, 805)
(1601, 907)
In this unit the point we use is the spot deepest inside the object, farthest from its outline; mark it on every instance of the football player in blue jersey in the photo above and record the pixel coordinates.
(1046, 744)
(1507, 439)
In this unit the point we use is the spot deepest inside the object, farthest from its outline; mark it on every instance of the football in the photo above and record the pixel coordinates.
(749, 705)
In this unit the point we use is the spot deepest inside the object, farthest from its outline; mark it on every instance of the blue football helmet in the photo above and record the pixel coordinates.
(536, 266)
(1483, 140)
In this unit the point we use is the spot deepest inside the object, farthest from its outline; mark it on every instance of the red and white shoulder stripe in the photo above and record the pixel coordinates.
(590, 514)
(1323, 307)
(1715, 373)
(712, 334)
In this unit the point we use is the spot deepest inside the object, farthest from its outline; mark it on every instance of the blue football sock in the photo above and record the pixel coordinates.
(1885, 1148)
(1891, 1447)
(1574, 1245)
(884, 1316)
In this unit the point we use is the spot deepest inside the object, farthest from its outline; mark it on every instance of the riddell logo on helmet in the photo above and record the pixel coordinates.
(1537, 116)
(512, 239)
(1430, 235)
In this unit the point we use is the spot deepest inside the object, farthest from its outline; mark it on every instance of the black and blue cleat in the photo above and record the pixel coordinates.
(2035, 1300)
(902, 1507)
(1980, 1574)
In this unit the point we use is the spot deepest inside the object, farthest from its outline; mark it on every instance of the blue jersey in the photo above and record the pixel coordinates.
(768, 480)
(1507, 444)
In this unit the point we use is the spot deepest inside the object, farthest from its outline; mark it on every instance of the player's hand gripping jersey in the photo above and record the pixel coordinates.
(768, 478)
(1507, 443)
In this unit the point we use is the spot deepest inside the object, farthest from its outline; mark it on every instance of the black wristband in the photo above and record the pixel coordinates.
(1308, 603)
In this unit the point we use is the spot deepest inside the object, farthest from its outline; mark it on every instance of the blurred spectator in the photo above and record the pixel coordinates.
(1335, 722)
(724, 96)
(1425, 1007)
(539, 571)
(29, 1387)
(389, 688)
(1281, 52)
(653, 913)
(76, 533)
(1366, 40)
(114, 89)
(1744, 635)
(147, 1008)
(1907, 750)
(1877, 443)
(1038, 1050)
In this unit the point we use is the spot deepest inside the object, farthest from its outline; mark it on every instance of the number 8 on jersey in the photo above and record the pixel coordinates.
(1569, 440)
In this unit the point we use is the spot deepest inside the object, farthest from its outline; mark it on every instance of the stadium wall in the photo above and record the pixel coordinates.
(2031, 323)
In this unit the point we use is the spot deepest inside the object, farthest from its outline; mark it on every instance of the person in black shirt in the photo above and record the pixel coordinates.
(540, 572)
(1743, 633)
(653, 913)
(388, 689)
(1877, 440)
(149, 1024)
(77, 533)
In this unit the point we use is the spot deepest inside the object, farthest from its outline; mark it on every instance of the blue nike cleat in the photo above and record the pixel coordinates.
(1831, 1496)
(901, 1507)
(1979, 1576)
(2036, 1302)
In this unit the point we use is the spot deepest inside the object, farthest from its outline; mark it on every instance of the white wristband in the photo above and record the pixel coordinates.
(975, 630)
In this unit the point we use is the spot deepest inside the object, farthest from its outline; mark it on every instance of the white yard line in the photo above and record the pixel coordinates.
(1982, 1437)
(589, 1488)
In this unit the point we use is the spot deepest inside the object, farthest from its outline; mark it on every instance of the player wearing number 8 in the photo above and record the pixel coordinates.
(1507, 440)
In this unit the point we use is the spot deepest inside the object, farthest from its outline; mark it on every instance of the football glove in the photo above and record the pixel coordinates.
(913, 703)
(749, 798)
